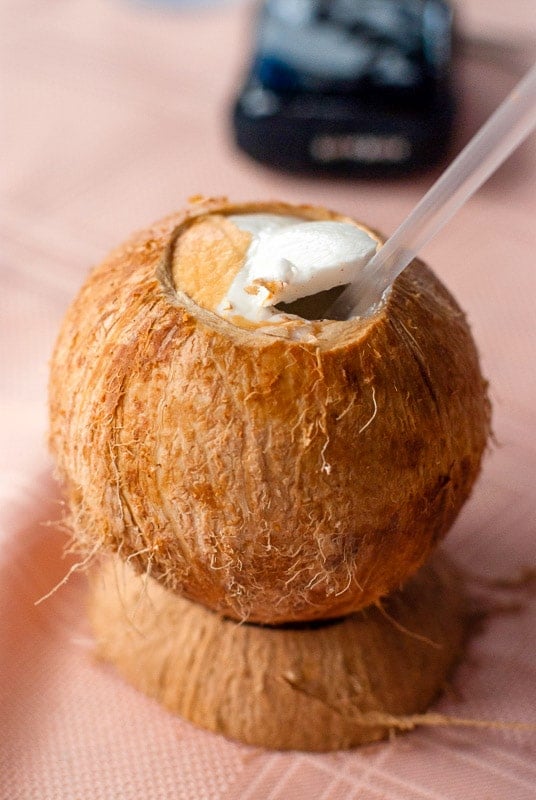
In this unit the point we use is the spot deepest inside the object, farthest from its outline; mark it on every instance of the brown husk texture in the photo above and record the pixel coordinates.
(268, 478)
(326, 687)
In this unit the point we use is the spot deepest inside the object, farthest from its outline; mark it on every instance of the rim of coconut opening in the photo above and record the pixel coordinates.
(326, 334)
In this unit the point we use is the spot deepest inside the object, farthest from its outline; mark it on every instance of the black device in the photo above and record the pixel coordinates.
(348, 86)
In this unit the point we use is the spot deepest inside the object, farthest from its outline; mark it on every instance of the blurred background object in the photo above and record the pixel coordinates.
(349, 86)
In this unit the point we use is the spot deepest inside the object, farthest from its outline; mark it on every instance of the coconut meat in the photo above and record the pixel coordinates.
(289, 258)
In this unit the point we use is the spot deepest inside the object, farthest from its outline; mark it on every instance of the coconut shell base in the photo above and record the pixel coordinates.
(318, 686)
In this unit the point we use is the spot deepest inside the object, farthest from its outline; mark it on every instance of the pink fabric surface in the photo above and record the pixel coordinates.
(117, 113)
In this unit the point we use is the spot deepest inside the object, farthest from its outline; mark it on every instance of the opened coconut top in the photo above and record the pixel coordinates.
(267, 270)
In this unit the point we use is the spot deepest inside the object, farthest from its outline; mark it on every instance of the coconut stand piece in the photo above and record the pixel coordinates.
(269, 477)
(317, 687)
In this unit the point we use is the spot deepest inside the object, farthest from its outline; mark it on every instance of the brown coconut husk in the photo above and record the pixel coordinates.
(317, 687)
(271, 478)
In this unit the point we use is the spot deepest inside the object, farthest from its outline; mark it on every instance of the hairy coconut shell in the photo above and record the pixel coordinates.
(270, 477)
(322, 686)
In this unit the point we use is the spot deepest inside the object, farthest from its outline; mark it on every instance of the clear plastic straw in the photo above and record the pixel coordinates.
(510, 124)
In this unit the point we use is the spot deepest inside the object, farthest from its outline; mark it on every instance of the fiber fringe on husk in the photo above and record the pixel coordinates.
(272, 479)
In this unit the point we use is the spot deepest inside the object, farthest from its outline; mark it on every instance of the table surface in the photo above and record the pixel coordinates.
(117, 112)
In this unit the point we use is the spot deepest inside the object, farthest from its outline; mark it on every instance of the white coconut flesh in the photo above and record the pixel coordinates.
(255, 269)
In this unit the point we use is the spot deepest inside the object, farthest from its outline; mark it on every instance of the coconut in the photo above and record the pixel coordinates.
(279, 474)
(307, 686)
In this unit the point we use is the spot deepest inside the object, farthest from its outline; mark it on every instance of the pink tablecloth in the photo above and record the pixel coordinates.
(117, 114)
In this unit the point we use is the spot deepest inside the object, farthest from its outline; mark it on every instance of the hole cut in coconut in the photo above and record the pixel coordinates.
(313, 307)
(264, 269)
